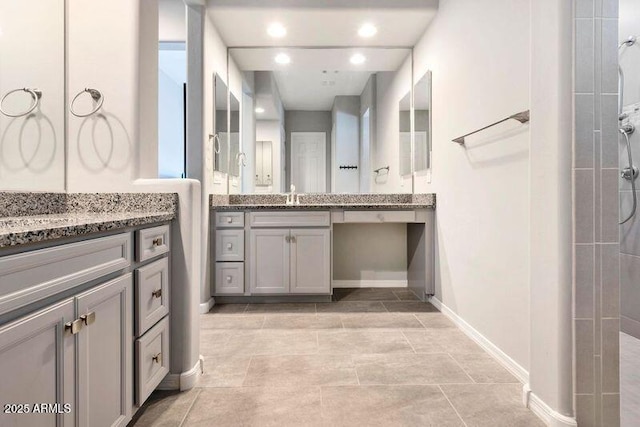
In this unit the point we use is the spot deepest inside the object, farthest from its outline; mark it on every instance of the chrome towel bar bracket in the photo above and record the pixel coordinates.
(377, 171)
(35, 95)
(97, 97)
(523, 117)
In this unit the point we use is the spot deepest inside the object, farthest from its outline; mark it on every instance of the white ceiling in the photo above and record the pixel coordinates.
(321, 23)
(315, 90)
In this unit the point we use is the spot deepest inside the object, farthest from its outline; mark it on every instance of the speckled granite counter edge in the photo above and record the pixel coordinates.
(44, 233)
(99, 212)
(324, 201)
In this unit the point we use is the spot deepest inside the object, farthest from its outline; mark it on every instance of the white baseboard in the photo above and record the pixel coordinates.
(184, 381)
(205, 307)
(509, 364)
(544, 412)
(529, 399)
(370, 284)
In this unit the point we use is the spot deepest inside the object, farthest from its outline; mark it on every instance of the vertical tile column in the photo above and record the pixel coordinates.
(596, 247)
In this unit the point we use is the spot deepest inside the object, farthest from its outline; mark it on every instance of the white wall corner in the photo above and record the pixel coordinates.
(544, 412)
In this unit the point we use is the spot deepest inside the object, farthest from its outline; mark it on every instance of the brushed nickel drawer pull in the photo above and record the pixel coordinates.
(229, 246)
(229, 220)
(157, 358)
(157, 293)
(229, 279)
(73, 327)
(88, 318)
(157, 241)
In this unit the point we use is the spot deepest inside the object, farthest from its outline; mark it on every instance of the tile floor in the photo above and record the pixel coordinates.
(629, 380)
(374, 357)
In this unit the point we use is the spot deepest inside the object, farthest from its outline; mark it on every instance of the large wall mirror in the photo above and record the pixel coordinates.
(32, 90)
(327, 120)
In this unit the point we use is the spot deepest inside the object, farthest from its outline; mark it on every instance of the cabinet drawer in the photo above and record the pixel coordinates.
(229, 219)
(229, 278)
(379, 216)
(152, 242)
(230, 245)
(31, 276)
(290, 219)
(152, 294)
(152, 360)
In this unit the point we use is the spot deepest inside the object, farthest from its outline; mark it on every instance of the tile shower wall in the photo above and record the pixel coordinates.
(596, 247)
(630, 232)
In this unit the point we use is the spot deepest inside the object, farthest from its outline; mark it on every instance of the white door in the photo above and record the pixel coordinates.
(365, 153)
(309, 161)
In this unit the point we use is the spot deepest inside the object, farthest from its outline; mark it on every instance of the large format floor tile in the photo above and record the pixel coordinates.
(441, 341)
(387, 406)
(409, 369)
(165, 409)
(256, 406)
(375, 357)
(351, 307)
(491, 405)
(362, 342)
(277, 371)
(380, 320)
(303, 321)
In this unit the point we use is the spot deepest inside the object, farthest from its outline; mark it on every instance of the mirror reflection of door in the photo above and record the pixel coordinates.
(365, 152)
(264, 167)
(308, 161)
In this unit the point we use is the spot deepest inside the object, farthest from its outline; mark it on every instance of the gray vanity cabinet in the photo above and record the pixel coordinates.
(290, 261)
(269, 261)
(105, 371)
(37, 358)
(310, 261)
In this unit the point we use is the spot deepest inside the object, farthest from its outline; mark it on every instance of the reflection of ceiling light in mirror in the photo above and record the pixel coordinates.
(283, 58)
(259, 110)
(277, 30)
(367, 30)
(358, 59)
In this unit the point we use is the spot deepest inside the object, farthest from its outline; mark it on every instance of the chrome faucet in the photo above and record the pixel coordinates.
(292, 197)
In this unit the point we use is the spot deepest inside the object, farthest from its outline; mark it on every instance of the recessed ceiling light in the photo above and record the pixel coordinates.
(259, 110)
(283, 58)
(367, 30)
(358, 59)
(277, 30)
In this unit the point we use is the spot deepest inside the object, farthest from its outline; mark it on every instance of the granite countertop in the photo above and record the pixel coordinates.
(324, 202)
(37, 217)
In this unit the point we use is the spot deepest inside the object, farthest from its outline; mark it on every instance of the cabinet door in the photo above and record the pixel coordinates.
(37, 366)
(269, 263)
(310, 261)
(105, 355)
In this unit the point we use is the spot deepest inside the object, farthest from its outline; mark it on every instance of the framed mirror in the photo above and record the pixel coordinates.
(404, 120)
(422, 123)
(221, 136)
